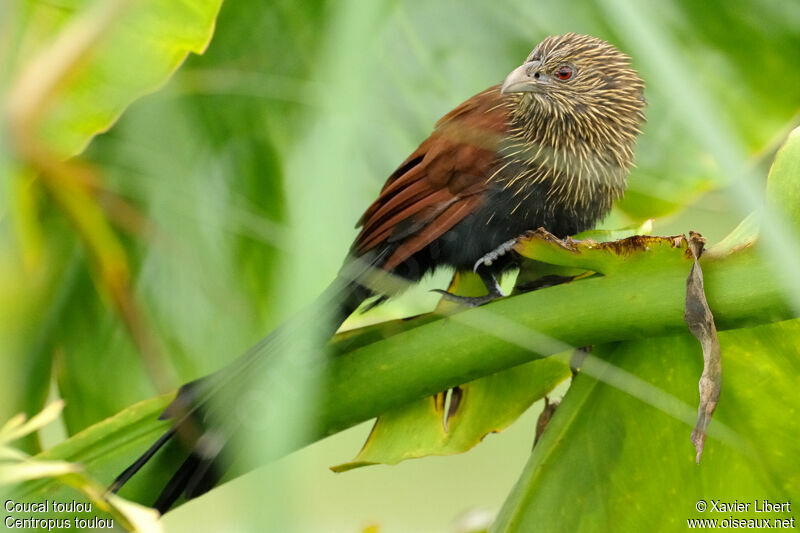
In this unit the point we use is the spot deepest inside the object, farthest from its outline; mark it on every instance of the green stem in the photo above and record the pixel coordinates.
(368, 381)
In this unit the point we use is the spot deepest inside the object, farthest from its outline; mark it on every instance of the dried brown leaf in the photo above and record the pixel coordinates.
(701, 323)
(544, 417)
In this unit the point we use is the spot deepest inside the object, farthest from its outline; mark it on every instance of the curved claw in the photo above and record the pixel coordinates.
(492, 256)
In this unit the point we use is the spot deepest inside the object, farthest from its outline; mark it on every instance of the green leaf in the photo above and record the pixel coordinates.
(104, 448)
(782, 185)
(73, 67)
(18, 427)
(631, 254)
(604, 235)
(487, 405)
(105, 55)
(433, 426)
(17, 468)
(619, 441)
(532, 270)
(21, 471)
(742, 236)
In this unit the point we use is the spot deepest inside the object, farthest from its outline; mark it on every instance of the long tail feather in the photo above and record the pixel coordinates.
(204, 467)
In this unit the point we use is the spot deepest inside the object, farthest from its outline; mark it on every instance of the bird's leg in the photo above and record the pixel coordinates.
(488, 277)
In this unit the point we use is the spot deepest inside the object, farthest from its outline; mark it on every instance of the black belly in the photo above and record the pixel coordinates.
(501, 218)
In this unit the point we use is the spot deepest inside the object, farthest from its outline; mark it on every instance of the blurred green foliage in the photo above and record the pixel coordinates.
(234, 188)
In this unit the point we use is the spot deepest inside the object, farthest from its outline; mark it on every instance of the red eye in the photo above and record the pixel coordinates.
(564, 73)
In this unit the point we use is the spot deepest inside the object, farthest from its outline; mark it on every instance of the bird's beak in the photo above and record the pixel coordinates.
(521, 79)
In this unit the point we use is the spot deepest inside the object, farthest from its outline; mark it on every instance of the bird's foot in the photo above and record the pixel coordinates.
(493, 288)
(487, 276)
(492, 256)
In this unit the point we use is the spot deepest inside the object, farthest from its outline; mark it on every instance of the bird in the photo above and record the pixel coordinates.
(550, 147)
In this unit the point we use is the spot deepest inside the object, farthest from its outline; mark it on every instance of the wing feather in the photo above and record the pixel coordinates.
(439, 183)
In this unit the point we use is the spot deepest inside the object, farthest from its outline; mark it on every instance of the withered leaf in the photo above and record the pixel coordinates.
(544, 417)
(701, 323)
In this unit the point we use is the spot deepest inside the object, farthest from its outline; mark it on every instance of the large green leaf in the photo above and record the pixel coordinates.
(431, 426)
(75, 66)
(615, 446)
(87, 61)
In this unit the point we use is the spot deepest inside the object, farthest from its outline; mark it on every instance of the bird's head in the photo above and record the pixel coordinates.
(575, 109)
(574, 75)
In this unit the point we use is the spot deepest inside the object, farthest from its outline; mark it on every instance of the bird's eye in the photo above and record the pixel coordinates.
(564, 72)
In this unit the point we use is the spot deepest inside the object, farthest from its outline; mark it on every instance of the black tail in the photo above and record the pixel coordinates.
(207, 444)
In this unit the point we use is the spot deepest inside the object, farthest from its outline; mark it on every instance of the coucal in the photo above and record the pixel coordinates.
(550, 147)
